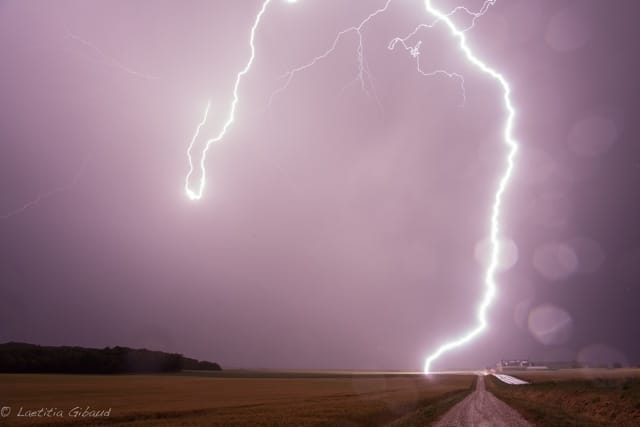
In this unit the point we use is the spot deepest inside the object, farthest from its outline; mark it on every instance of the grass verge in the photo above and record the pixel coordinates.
(563, 401)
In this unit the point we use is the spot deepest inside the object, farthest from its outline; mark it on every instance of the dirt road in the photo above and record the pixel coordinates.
(480, 409)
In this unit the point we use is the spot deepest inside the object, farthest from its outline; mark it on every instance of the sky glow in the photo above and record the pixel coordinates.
(444, 19)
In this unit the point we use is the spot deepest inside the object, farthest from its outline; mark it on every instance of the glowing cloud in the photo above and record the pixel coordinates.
(459, 33)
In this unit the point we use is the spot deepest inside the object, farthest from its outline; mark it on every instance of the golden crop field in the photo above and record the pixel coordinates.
(234, 398)
(575, 397)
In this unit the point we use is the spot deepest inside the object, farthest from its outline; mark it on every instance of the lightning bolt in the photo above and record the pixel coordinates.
(196, 194)
(494, 223)
(459, 33)
(363, 69)
(51, 193)
(414, 50)
(101, 57)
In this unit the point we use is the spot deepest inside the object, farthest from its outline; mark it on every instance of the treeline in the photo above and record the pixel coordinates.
(30, 358)
(574, 364)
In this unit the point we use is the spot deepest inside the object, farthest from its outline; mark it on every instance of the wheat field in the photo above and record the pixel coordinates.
(233, 398)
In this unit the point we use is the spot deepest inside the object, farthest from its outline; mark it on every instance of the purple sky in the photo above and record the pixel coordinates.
(334, 232)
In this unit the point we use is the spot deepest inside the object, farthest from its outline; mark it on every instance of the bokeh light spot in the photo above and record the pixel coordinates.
(589, 253)
(555, 261)
(550, 325)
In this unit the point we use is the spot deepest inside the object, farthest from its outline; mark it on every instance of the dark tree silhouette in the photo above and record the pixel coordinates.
(30, 358)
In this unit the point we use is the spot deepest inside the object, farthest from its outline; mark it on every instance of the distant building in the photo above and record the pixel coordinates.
(513, 365)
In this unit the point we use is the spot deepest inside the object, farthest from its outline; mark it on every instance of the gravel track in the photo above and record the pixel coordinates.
(482, 409)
